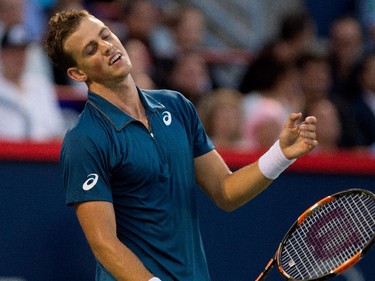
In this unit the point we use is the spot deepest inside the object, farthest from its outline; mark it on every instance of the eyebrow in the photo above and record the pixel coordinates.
(93, 42)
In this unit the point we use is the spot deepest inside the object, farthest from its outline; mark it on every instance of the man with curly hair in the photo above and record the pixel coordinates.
(135, 157)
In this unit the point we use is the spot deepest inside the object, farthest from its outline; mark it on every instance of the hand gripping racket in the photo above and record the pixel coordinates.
(328, 238)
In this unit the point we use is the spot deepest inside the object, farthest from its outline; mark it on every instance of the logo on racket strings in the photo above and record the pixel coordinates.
(322, 232)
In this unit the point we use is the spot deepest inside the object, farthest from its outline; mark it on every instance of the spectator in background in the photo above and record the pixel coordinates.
(316, 81)
(135, 23)
(273, 90)
(142, 65)
(325, 12)
(190, 76)
(190, 30)
(182, 29)
(363, 104)
(18, 17)
(330, 131)
(11, 15)
(296, 35)
(346, 46)
(273, 77)
(315, 75)
(183, 33)
(366, 11)
(29, 109)
(222, 116)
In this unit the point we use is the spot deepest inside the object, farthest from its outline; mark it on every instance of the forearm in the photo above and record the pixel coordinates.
(231, 190)
(243, 185)
(228, 190)
(249, 181)
(97, 219)
(119, 260)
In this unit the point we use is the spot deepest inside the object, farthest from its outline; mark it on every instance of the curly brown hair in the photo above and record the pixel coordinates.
(61, 26)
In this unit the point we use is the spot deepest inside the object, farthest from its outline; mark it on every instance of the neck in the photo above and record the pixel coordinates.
(124, 96)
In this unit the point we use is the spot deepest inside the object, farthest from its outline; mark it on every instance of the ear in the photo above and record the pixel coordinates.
(76, 74)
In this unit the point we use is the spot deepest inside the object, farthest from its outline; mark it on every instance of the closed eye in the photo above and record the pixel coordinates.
(92, 47)
(105, 33)
(91, 50)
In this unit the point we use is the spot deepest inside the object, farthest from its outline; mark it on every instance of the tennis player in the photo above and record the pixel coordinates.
(135, 157)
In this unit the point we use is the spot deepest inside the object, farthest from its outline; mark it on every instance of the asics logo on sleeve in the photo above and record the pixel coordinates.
(167, 118)
(90, 182)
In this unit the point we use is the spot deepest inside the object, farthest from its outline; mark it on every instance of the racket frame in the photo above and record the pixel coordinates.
(346, 265)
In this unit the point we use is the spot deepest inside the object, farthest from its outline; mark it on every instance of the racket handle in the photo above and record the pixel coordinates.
(266, 270)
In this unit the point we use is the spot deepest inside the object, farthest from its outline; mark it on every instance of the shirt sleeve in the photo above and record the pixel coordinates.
(85, 172)
(202, 143)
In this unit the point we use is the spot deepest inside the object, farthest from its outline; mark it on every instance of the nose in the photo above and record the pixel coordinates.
(106, 47)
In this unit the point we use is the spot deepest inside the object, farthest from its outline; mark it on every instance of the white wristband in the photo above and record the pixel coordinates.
(154, 279)
(274, 162)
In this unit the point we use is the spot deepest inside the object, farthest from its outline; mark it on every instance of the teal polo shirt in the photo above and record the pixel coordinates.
(147, 175)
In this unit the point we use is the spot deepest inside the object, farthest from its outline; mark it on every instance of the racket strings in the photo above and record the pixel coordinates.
(331, 235)
(364, 216)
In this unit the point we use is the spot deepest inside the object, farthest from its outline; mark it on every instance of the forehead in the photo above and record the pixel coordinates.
(87, 31)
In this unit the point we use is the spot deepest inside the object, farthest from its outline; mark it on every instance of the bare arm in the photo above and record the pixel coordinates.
(97, 219)
(228, 190)
(231, 190)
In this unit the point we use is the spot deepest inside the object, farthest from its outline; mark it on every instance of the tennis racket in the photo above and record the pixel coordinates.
(328, 238)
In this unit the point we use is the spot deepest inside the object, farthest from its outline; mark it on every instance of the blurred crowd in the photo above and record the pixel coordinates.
(330, 76)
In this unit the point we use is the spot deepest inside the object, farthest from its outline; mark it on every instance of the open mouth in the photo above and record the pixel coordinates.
(115, 58)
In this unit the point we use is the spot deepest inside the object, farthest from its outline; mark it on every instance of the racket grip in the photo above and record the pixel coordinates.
(266, 270)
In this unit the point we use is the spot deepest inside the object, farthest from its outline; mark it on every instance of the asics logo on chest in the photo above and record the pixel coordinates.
(167, 118)
(90, 182)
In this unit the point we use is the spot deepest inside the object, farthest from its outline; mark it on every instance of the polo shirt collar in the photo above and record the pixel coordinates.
(116, 116)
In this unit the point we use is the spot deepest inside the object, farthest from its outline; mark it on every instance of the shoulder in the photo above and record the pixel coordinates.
(90, 131)
(166, 96)
(171, 100)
